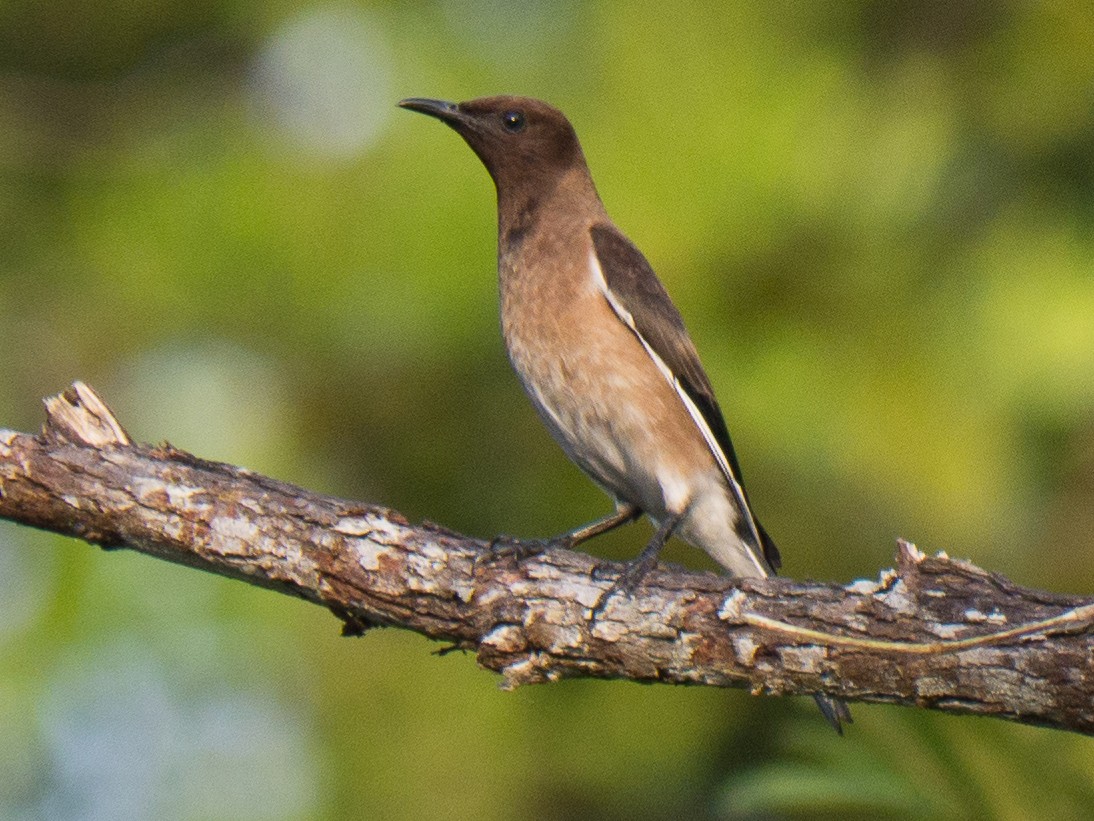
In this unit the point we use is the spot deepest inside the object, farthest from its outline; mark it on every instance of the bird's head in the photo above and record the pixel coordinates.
(521, 141)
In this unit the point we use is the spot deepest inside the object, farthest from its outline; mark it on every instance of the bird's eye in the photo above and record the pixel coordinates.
(513, 121)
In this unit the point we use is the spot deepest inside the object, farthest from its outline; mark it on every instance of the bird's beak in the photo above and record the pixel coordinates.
(441, 109)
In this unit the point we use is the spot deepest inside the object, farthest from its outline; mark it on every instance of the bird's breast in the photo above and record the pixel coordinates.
(595, 386)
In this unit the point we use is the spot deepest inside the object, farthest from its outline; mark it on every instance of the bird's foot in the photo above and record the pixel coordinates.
(626, 582)
(509, 547)
(637, 569)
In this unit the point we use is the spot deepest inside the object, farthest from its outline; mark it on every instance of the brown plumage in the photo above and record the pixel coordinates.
(602, 351)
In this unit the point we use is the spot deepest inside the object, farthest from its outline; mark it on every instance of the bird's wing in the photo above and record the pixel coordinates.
(639, 299)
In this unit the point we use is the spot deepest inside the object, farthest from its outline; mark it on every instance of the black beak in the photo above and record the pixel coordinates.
(441, 109)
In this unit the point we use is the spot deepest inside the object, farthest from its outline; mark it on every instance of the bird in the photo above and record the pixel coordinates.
(602, 351)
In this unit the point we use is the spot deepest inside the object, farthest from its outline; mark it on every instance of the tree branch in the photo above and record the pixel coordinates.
(933, 632)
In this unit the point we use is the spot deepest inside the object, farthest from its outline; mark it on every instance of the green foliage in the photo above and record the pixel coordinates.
(876, 218)
(898, 764)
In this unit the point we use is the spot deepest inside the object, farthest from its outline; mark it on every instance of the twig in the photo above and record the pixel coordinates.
(934, 632)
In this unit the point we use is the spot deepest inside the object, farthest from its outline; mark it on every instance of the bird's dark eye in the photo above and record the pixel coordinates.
(513, 121)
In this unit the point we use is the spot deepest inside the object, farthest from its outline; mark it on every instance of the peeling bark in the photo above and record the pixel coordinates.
(933, 632)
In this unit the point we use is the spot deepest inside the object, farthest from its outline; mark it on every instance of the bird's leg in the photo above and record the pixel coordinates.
(640, 566)
(501, 546)
(623, 514)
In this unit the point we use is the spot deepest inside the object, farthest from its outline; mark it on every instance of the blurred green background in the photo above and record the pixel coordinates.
(875, 216)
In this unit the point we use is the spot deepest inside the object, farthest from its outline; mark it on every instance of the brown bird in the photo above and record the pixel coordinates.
(602, 351)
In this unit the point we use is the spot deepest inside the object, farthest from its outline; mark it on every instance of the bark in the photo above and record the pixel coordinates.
(933, 632)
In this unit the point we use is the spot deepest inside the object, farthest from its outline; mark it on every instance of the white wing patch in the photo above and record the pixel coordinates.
(689, 403)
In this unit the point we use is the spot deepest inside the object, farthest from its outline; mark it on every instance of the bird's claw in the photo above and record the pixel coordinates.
(627, 582)
(506, 547)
